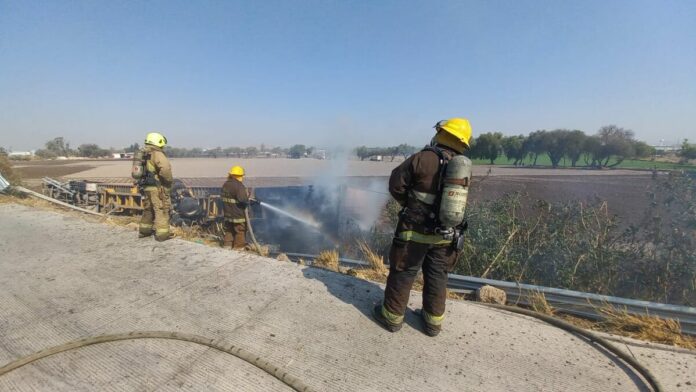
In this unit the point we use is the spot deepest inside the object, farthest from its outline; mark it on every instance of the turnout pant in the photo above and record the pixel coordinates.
(156, 207)
(405, 259)
(235, 235)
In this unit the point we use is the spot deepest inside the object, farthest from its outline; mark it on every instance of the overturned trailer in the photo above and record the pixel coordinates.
(325, 212)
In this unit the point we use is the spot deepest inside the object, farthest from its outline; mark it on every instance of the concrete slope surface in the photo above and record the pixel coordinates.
(63, 278)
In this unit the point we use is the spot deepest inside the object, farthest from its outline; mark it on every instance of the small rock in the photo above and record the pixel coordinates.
(491, 295)
(283, 257)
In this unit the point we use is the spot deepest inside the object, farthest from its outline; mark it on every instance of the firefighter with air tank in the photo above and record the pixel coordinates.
(432, 187)
(153, 173)
(235, 200)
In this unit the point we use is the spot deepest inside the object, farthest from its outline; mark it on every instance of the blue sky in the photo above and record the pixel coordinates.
(329, 73)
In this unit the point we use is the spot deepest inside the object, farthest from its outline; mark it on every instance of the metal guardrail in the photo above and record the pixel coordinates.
(579, 303)
(306, 256)
(572, 302)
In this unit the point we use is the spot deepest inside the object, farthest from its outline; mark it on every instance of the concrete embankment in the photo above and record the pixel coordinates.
(64, 277)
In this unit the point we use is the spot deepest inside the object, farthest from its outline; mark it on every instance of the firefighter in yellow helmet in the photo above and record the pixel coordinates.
(235, 200)
(156, 185)
(421, 239)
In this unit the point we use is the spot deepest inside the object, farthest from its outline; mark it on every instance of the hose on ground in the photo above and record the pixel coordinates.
(592, 337)
(251, 232)
(277, 372)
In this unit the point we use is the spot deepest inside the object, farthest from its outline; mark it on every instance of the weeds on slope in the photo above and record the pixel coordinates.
(650, 328)
(327, 259)
(7, 172)
(581, 246)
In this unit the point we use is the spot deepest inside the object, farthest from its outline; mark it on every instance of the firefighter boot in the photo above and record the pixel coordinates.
(429, 329)
(378, 314)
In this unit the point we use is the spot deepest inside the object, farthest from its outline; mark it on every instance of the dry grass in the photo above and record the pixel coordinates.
(644, 327)
(7, 172)
(327, 259)
(538, 303)
(377, 271)
(376, 261)
(189, 233)
(26, 201)
(262, 250)
(457, 296)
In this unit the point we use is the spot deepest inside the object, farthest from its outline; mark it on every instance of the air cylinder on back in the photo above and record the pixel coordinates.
(138, 169)
(455, 191)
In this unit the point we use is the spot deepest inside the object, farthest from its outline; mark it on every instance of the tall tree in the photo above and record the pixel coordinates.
(58, 146)
(363, 152)
(688, 151)
(297, 151)
(575, 146)
(488, 146)
(91, 151)
(554, 144)
(513, 148)
(406, 150)
(617, 143)
(533, 145)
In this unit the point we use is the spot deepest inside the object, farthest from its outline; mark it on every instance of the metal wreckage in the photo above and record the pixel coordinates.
(200, 207)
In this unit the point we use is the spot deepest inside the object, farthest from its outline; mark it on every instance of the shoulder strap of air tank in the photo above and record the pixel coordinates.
(443, 163)
(147, 155)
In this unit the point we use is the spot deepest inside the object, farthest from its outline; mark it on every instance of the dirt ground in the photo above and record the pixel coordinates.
(281, 167)
(626, 196)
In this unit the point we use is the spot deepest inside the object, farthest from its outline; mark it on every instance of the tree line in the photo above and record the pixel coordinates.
(610, 146)
(296, 151)
(59, 147)
(404, 150)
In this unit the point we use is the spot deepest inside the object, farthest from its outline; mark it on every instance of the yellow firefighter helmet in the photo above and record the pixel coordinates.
(156, 139)
(455, 133)
(237, 171)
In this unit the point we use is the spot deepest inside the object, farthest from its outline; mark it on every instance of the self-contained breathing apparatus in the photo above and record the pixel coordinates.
(139, 172)
(449, 203)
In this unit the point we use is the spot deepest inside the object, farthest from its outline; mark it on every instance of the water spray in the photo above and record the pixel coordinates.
(291, 216)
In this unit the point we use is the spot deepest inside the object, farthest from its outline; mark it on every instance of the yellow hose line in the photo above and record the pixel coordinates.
(277, 372)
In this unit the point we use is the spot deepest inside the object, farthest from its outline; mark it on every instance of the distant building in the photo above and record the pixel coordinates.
(20, 154)
(666, 148)
(122, 155)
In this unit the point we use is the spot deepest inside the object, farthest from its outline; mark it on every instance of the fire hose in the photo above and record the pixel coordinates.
(592, 337)
(277, 372)
(294, 382)
(251, 232)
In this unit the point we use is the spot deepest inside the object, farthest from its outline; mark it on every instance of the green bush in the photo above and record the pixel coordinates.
(581, 246)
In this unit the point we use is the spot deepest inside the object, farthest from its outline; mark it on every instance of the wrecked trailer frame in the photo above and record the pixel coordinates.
(4, 184)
